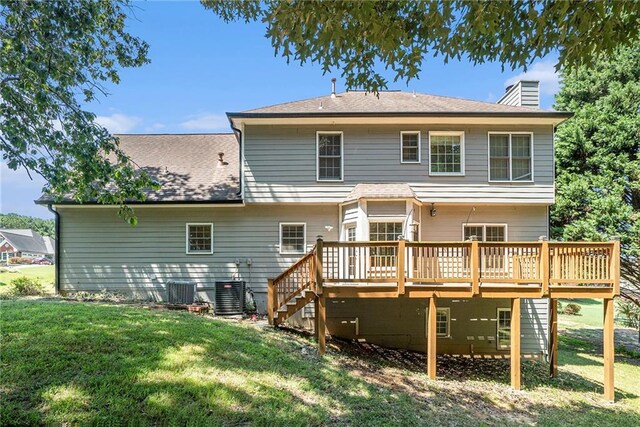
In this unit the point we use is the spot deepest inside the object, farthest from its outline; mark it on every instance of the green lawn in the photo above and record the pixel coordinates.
(46, 274)
(591, 313)
(79, 363)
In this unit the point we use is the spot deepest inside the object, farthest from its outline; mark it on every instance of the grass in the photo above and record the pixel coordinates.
(590, 314)
(77, 363)
(46, 274)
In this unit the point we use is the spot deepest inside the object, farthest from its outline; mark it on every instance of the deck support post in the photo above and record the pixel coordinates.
(400, 267)
(321, 324)
(271, 308)
(608, 350)
(474, 264)
(553, 338)
(431, 339)
(544, 264)
(515, 344)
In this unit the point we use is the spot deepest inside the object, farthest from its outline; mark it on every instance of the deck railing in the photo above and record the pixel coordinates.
(472, 263)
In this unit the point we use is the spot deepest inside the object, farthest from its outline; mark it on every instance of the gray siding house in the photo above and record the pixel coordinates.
(350, 167)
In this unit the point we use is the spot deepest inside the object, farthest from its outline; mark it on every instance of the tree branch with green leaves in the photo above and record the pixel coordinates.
(362, 38)
(55, 57)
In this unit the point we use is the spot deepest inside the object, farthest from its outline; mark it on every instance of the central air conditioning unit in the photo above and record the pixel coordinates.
(181, 292)
(229, 297)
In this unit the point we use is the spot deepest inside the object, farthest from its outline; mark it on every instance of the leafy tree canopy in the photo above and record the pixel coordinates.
(360, 37)
(46, 227)
(598, 156)
(55, 56)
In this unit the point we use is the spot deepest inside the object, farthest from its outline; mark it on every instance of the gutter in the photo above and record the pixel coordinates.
(138, 203)
(535, 114)
(240, 165)
(58, 254)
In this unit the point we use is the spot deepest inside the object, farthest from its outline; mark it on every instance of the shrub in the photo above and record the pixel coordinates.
(572, 309)
(20, 260)
(25, 286)
(560, 306)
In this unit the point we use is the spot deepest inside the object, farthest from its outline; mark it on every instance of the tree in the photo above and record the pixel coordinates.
(360, 37)
(598, 158)
(45, 227)
(56, 56)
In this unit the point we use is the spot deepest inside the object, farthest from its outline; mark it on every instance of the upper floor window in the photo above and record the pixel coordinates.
(446, 153)
(293, 238)
(510, 156)
(410, 147)
(330, 159)
(485, 232)
(199, 238)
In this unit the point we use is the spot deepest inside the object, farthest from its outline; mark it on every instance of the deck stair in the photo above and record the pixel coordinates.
(292, 290)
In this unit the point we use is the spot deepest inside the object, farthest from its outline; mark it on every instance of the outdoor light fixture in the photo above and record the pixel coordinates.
(433, 210)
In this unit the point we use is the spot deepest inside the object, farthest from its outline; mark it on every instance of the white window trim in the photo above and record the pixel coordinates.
(329, 132)
(304, 246)
(187, 251)
(484, 226)
(411, 132)
(448, 310)
(498, 346)
(462, 151)
(510, 156)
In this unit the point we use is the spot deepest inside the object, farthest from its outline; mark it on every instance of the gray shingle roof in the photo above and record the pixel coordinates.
(187, 166)
(390, 102)
(381, 191)
(27, 240)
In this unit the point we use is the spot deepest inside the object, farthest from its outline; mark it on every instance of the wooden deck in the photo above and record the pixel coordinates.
(469, 269)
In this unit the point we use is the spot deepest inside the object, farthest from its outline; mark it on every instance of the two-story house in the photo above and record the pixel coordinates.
(433, 213)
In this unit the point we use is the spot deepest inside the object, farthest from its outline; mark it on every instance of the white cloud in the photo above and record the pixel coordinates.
(118, 123)
(491, 97)
(155, 127)
(206, 121)
(545, 73)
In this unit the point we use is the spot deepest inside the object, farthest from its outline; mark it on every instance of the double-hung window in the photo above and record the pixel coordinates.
(293, 238)
(330, 156)
(442, 321)
(485, 232)
(446, 153)
(410, 147)
(199, 238)
(504, 328)
(510, 156)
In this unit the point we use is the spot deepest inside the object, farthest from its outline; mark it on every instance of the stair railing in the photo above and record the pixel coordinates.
(291, 283)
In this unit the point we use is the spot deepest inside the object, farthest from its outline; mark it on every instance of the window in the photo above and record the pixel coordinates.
(446, 153)
(293, 238)
(442, 322)
(485, 232)
(504, 328)
(384, 232)
(199, 238)
(410, 147)
(510, 156)
(330, 160)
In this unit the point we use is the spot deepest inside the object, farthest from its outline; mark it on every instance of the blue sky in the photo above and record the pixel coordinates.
(202, 67)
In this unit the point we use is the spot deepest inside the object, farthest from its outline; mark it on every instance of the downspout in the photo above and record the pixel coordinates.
(240, 165)
(57, 255)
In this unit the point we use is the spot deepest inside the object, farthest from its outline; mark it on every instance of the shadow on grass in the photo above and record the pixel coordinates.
(102, 364)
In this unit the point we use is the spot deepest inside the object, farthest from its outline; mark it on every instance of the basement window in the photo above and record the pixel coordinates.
(199, 238)
(504, 328)
(442, 321)
(293, 238)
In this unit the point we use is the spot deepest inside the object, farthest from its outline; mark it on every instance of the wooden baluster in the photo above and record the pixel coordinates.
(319, 266)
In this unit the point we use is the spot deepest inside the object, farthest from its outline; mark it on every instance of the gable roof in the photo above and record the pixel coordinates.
(355, 103)
(186, 166)
(27, 240)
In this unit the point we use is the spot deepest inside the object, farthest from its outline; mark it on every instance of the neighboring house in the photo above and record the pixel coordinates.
(354, 167)
(25, 243)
